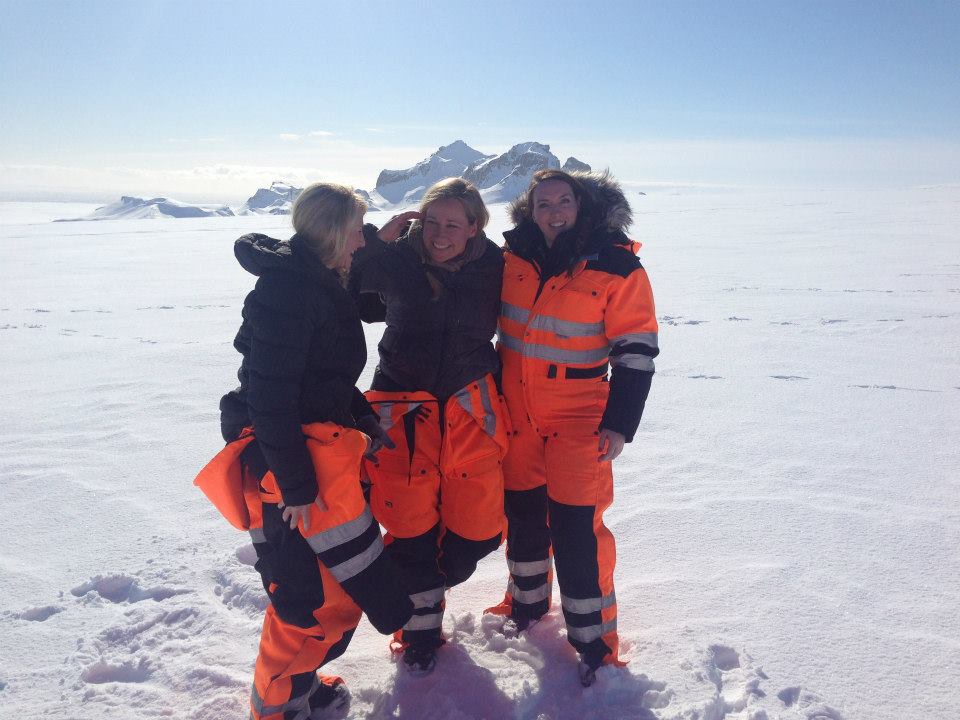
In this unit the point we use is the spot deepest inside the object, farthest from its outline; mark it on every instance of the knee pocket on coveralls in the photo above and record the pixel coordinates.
(473, 497)
(574, 474)
(403, 497)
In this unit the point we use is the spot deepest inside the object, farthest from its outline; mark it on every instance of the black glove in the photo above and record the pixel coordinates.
(370, 425)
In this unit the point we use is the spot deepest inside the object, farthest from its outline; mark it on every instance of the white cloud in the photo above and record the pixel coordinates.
(290, 137)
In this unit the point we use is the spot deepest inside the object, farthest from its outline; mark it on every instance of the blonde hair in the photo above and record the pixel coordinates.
(466, 193)
(323, 215)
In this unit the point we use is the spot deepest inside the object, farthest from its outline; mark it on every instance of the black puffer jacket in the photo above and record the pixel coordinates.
(434, 344)
(303, 349)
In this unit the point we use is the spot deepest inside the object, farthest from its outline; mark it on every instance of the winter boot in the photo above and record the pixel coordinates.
(420, 659)
(516, 624)
(330, 700)
(587, 669)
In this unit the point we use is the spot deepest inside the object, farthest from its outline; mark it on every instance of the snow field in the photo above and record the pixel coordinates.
(787, 518)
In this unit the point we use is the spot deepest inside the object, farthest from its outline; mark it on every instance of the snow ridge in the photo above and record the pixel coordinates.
(274, 200)
(134, 208)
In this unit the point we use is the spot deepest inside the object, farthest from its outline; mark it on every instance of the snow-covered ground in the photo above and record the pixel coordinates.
(788, 519)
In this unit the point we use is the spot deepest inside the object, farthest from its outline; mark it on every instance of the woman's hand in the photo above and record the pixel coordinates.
(392, 231)
(370, 426)
(611, 445)
(293, 514)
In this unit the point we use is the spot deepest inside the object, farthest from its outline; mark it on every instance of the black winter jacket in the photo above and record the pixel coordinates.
(303, 349)
(438, 345)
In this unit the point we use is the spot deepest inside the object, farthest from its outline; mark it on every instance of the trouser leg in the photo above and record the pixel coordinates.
(417, 559)
(528, 537)
(475, 439)
(528, 552)
(309, 622)
(459, 556)
(580, 489)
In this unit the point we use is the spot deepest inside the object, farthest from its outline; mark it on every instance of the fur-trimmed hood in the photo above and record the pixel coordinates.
(611, 208)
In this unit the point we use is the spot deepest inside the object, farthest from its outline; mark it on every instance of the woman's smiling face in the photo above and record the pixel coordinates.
(446, 229)
(554, 209)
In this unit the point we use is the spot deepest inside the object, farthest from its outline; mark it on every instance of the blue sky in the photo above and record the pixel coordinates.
(186, 98)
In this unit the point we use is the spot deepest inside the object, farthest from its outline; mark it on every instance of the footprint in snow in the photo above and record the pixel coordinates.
(705, 377)
(894, 387)
(832, 321)
(696, 322)
(130, 671)
(737, 319)
(738, 681)
(124, 588)
(789, 377)
(36, 614)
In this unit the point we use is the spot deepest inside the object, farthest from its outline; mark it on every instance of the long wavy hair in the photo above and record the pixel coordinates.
(323, 216)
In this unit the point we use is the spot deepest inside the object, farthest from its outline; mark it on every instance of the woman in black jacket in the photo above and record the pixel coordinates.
(439, 491)
(294, 441)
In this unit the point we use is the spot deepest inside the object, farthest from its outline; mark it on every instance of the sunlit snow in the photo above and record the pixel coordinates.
(787, 519)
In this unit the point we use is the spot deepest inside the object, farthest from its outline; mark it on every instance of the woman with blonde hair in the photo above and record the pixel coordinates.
(290, 473)
(439, 490)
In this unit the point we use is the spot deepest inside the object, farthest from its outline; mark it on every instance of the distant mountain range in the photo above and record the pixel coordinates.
(134, 208)
(500, 178)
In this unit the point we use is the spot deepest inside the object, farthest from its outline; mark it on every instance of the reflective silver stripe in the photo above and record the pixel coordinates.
(463, 397)
(424, 622)
(512, 312)
(633, 361)
(528, 596)
(257, 535)
(552, 354)
(591, 632)
(566, 328)
(489, 417)
(649, 339)
(427, 598)
(528, 568)
(358, 563)
(563, 328)
(385, 410)
(588, 605)
(343, 533)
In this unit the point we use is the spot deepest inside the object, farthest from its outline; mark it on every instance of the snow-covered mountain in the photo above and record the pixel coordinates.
(134, 208)
(574, 165)
(500, 178)
(274, 200)
(405, 187)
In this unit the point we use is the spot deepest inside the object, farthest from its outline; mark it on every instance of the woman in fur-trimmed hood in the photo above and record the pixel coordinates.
(577, 338)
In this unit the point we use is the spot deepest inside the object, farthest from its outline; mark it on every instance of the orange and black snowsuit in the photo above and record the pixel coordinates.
(439, 493)
(291, 433)
(568, 315)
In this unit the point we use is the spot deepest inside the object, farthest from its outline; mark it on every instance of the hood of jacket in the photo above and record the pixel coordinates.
(259, 253)
(611, 211)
